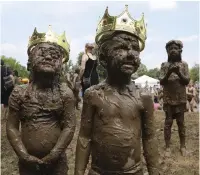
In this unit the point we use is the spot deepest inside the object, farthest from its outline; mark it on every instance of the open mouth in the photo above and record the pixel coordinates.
(48, 63)
(128, 63)
(173, 53)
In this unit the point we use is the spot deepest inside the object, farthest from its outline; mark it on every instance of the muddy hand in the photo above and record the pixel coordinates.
(32, 160)
(51, 158)
(171, 69)
(176, 69)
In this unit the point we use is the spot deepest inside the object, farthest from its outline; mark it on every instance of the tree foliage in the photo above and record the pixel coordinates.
(79, 58)
(142, 70)
(154, 73)
(69, 66)
(194, 73)
(15, 65)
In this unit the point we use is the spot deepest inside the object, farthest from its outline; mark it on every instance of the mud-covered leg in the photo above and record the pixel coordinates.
(78, 100)
(167, 129)
(192, 105)
(167, 132)
(181, 130)
(188, 106)
(61, 167)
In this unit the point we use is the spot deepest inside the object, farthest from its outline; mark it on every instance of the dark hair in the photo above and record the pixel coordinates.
(177, 42)
(155, 99)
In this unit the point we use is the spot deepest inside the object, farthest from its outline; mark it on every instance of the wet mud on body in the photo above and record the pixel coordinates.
(176, 165)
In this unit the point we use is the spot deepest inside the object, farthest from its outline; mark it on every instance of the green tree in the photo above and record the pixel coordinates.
(154, 73)
(15, 65)
(142, 70)
(69, 66)
(79, 58)
(194, 73)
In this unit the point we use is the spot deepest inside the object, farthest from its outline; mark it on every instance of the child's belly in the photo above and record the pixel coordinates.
(116, 147)
(40, 137)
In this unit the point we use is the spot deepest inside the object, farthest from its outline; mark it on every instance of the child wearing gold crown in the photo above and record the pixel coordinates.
(44, 108)
(116, 115)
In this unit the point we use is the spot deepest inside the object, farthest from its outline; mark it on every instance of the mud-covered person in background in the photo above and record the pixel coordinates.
(160, 96)
(44, 108)
(174, 77)
(114, 112)
(74, 83)
(88, 70)
(77, 87)
(190, 92)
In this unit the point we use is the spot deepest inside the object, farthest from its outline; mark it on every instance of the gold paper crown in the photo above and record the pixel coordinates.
(50, 37)
(124, 22)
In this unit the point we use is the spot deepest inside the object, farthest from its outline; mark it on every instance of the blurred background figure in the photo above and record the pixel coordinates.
(77, 88)
(88, 71)
(190, 92)
(7, 85)
(160, 97)
(156, 104)
(73, 81)
(147, 86)
(16, 77)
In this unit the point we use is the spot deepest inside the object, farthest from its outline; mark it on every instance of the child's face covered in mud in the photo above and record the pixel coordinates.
(120, 54)
(47, 58)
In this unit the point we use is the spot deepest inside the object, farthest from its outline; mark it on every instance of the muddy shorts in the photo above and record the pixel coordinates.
(58, 168)
(136, 170)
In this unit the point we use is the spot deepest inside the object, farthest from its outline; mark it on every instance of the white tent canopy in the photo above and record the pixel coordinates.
(141, 81)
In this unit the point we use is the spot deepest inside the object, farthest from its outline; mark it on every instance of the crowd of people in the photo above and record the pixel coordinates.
(192, 92)
(86, 75)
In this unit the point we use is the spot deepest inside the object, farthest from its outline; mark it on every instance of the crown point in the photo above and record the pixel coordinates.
(50, 37)
(126, 7)
(119, 23)
(50, 28)
(106, 10)
(35, 30)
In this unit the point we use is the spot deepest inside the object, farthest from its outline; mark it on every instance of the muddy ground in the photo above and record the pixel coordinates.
(176, 165)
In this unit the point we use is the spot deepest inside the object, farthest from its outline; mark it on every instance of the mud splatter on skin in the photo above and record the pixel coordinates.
(174, 77)
(45, 108)
(115, 114)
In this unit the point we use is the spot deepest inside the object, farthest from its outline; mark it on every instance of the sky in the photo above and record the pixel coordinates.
(165, 20)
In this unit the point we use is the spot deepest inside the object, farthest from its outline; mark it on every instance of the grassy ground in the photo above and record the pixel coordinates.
(176, 165)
